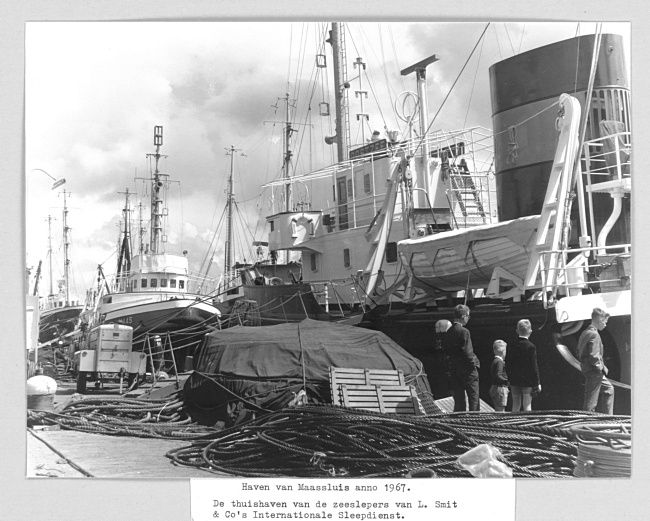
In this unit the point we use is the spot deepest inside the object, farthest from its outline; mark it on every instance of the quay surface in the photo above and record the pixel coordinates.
(56, 452)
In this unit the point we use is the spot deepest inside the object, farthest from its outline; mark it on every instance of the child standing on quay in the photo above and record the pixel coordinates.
(499, 388)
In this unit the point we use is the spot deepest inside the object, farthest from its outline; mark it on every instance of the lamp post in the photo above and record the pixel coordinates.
(57, 182)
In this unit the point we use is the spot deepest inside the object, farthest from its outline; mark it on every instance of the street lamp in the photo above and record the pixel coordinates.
(57, 182)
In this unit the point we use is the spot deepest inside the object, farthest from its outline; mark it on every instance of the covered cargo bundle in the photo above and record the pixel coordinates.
(243, 370)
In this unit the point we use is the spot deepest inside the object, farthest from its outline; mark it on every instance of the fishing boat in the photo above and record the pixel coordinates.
(60, 309)
(153, 291)
(401, 229)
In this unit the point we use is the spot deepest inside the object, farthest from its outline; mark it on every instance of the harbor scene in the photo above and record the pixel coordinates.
(329, 251)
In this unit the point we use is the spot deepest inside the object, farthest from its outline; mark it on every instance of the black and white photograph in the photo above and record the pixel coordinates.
(324, 256)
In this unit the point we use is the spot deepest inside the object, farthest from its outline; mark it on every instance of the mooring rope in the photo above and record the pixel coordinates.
(124, 417)
(320, 441)
(325, 440)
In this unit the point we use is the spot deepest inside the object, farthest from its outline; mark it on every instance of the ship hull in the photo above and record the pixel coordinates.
(291, 303)
(562, 382)
(57, 322)
(180, 322)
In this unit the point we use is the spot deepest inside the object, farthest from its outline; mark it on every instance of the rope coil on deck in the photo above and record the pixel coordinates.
(124, 417)
(321, 441)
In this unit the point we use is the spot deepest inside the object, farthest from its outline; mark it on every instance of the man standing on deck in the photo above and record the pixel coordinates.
(463, 363)
(590, 352)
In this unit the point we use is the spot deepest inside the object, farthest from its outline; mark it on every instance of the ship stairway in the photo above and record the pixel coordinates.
(546, 259)
(467, 199)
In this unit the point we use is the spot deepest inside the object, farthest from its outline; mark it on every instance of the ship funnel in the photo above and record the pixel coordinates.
(330, 140)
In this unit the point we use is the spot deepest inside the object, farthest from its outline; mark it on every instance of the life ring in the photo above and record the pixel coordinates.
(276, 281)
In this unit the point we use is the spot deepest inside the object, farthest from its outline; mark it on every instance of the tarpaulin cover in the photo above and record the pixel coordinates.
(262, 368)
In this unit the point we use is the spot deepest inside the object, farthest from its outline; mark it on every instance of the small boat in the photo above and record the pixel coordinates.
(59, 312)
(464, 259)
(154, 291)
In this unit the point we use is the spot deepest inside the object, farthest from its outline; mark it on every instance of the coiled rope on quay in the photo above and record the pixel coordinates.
(124, 417)
(322, 441)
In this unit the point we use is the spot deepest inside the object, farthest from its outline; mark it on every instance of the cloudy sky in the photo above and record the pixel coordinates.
(95, 90)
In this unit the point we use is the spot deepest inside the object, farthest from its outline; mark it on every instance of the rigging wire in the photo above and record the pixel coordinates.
(452, 87)
(392, 42)
(509, 40)
(211, 250)
(498, 44)
(478, 63)
(575, 83)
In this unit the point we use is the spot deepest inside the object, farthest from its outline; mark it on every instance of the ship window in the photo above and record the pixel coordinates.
(154, 283)
(391, 252)
(143, 283)
(272, 223)
(367, 188)
(181, 284)
(346, 257)
(163, 283)
(350, 191)
(312, 257)
(172, 283)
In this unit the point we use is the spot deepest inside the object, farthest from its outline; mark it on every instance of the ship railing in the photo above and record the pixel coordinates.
(228, 281)
(609, 156)
(329, 297)
(592, 269)
(195, 284)
(201, 285)
(476, 142)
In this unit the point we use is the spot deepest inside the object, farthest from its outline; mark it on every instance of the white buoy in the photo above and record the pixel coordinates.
(41, 385)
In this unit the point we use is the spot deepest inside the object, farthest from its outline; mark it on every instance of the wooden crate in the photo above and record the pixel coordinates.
(381, 391)
(349, 376)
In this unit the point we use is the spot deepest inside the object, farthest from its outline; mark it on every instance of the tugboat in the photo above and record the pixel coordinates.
(401, 230)
(154, 291)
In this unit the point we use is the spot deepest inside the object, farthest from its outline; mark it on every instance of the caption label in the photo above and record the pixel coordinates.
(237, 499)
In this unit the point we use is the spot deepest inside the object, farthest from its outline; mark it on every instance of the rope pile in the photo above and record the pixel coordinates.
(603, 450)
(124, 417)
(322, 441)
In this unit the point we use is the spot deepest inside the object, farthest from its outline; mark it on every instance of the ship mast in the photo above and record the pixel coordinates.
(140, 230)
(66, 246)
(337, 40)
(156, 200)
(49, 252)
(229, 204)
(124, 258)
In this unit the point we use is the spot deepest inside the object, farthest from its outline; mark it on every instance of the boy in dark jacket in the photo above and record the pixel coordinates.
(463, 363)
(522, 368)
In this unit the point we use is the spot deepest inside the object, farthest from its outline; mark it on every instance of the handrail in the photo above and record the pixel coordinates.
(437, 140)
